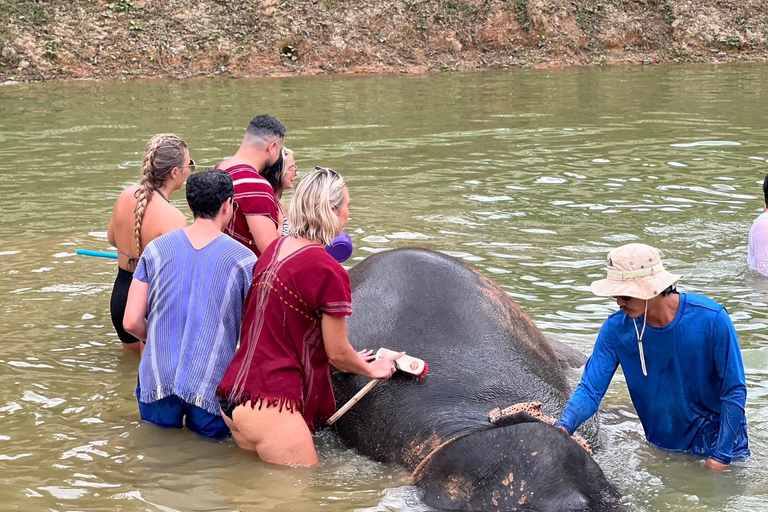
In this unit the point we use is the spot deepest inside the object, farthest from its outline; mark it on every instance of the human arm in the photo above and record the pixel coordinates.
(263, 230)
(135, 317)
(345, 358)
(733, 392)
(597, 375)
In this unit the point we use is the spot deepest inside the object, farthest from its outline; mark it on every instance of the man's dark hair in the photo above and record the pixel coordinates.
(207, 191)
(765, 189)
(670, 289)
(265, 127)
(274, 174)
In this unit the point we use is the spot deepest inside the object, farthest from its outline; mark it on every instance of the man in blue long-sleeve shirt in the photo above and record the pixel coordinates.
(680, 356)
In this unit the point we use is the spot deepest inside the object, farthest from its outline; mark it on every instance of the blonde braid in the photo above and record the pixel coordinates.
(163, 153)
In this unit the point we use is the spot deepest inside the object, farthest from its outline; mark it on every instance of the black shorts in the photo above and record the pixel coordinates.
(117, 304)
(227, 407)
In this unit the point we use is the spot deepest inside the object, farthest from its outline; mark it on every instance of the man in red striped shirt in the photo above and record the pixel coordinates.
(254, 223)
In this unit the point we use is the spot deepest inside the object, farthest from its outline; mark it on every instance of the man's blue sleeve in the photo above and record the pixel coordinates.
(143, 269)
(733, 394)
(597, 375)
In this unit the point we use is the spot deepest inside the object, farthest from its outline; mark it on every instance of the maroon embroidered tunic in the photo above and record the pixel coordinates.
(281, 361)
(254, 196)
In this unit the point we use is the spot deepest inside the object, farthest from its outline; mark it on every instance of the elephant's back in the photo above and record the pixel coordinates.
(438, 309)
(482, 350)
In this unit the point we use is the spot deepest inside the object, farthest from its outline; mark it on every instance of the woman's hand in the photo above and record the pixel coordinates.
(385, 367)
(367, 355)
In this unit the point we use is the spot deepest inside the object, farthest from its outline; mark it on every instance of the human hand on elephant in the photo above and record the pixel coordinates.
(367, 355)
(385, 367)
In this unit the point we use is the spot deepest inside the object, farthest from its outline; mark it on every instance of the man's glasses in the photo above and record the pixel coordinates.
(625, 298)
(191, 165)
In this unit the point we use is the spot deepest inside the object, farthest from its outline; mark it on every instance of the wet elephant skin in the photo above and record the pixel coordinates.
(483, 352)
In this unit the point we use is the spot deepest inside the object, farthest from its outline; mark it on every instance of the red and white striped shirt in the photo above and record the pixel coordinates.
(253, 196)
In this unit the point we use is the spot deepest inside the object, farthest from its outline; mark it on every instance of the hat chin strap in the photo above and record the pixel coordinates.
(640, 338)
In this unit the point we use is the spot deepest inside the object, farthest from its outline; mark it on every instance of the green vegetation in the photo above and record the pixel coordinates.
(521, 15)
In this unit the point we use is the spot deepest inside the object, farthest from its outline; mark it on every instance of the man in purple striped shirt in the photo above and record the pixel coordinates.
(186, 303)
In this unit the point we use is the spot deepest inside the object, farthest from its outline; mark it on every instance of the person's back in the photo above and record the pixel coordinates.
(160, 217)
(195, 309)
(255, 221)
(278, 387)
(186, 301)
(142, 213)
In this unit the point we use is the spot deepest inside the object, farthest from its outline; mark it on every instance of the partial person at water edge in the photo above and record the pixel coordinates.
(282, 176)
(255, 222)
(142, 213)
(186, 301)
(277, 390)
(757, 253)
(682, 363)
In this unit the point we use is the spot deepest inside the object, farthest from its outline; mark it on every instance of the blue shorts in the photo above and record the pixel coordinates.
(170, 412)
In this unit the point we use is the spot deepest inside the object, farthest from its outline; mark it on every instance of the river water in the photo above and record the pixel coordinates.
(531, 177)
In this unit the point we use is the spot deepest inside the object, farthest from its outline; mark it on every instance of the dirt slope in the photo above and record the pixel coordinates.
(67, 39)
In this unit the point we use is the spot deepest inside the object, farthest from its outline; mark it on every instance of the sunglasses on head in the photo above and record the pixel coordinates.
(625, 298)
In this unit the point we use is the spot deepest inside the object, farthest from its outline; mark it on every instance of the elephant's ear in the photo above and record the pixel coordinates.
(505, 420)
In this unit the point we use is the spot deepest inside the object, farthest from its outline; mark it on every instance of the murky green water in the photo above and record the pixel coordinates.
(530, 177)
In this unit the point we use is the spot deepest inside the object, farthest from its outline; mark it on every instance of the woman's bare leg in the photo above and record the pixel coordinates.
(278, 437)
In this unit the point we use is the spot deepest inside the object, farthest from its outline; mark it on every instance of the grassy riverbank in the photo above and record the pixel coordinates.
(71, 39)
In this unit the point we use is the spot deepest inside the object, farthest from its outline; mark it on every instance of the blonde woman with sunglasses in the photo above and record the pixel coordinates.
(277, 389)
(142, 213)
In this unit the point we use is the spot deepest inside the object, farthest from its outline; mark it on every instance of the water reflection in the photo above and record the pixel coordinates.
(529, 177)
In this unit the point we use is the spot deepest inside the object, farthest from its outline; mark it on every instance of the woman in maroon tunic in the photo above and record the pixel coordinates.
(277, 389)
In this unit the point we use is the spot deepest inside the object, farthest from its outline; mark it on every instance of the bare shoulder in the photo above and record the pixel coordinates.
(129, 193)
(168, 218)
(179, 217)
(126, 201)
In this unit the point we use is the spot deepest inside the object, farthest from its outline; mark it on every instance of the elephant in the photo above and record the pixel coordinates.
(483, 353)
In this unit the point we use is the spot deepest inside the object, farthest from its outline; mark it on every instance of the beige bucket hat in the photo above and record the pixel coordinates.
(634, 270)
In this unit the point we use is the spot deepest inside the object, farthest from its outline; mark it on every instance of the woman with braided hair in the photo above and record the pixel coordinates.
(142, 213)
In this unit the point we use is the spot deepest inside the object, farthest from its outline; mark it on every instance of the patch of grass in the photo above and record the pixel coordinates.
(521, 15)
(49, 50)
(121, 6)
(666, 10)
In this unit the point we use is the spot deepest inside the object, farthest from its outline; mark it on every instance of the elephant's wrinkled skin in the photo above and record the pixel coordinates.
(483, 352)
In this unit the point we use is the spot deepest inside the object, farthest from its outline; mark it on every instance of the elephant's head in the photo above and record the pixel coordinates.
(518, 464)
